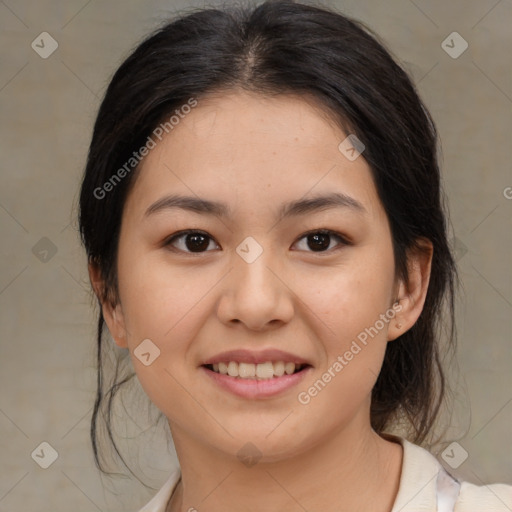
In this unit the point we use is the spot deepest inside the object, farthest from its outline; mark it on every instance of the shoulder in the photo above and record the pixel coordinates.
(424, 481)
(160, 500)
(491, 498)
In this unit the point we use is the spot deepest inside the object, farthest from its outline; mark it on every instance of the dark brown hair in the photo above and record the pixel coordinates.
(283, 47)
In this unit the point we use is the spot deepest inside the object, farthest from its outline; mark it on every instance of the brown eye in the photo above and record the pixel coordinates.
(190, 241)
(320, 240)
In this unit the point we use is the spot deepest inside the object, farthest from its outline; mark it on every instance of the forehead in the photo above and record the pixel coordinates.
(261, 148)
(284, 117)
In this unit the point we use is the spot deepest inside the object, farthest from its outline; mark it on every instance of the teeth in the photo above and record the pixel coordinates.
(267, 370)
(279, 369)
(247, 370)
(289, 368)
(233, 369)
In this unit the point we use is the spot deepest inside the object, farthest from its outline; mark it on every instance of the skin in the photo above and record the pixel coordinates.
(255, 153)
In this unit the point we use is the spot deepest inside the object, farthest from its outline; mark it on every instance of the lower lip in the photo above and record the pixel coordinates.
(253, 388)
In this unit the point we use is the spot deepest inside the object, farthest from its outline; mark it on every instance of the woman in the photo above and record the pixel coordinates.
(262, 215)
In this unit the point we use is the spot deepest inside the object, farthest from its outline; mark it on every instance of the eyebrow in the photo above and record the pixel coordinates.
(290, 209)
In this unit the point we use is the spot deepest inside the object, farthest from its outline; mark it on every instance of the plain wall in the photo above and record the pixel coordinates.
(47, 322)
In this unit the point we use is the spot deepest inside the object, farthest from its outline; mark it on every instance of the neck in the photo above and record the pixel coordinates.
(348, 471)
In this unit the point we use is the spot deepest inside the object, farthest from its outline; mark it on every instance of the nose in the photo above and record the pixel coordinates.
(256, 294)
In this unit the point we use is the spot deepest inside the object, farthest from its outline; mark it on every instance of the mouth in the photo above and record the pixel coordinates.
(256, 381)
(251, 371)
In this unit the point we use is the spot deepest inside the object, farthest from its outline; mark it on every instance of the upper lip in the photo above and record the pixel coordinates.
(249, 356)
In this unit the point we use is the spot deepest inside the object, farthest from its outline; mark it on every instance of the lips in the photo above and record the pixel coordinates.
(256, 374)
(254, 388)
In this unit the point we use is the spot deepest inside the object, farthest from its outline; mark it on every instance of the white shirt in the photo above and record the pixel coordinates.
(424, 487)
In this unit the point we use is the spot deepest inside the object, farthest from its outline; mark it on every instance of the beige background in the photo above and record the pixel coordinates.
(47, 324)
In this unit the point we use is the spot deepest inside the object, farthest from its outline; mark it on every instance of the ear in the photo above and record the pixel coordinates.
(112, 313)
(411, 294)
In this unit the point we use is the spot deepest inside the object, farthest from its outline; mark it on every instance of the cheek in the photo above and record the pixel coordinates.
(159, 298)
(347, 303)
(161, 304)
(348, 309)
(351, 296)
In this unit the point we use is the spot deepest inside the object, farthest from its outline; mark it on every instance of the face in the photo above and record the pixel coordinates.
(256, 274)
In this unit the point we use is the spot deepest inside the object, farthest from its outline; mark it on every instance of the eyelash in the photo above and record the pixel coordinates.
(180, 234)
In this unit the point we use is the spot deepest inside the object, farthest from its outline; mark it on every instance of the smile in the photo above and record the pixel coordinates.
(261, 371)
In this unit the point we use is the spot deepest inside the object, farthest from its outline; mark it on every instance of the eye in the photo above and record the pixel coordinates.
(190, 241)
(194, 241)
(320, 240)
